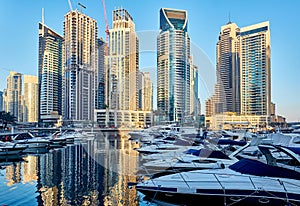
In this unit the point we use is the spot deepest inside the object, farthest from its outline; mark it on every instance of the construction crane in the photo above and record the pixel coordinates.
(81, 6)
(70, 5)
(106, 27)
(106, 54)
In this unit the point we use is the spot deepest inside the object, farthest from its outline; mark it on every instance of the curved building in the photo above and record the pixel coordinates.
(173, 67)
(50, 74)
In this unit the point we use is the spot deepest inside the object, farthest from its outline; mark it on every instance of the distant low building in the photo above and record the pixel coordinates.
(122, 118)
(233, 121)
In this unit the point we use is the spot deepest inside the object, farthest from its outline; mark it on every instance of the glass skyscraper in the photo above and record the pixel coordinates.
(100, 99)
(173, 66)
(243, 71)
(255, 69)
(228, 74)
(50, 74)
(1, 101)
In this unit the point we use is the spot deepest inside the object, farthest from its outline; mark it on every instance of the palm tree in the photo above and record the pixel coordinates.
(6, 118)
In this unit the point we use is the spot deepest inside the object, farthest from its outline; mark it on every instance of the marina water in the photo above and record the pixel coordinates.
(91, 172)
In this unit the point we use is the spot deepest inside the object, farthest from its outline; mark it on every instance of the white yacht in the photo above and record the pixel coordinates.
(27, 139)
(275, 181)
(8, 148)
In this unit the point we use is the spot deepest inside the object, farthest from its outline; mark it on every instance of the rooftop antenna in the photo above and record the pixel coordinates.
(81, 6)
(43, 21)
(229, 21)
(70, 5)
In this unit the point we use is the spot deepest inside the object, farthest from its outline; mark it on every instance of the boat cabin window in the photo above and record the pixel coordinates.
(296, 140)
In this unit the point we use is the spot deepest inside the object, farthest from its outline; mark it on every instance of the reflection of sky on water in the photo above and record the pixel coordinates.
(94, 173)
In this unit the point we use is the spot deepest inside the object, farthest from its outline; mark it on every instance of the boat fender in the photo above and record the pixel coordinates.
(236, 199)
(221, 165)
(263, 200)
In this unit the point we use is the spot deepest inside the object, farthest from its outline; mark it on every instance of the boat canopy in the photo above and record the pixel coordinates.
(207, 153)
(255, 167)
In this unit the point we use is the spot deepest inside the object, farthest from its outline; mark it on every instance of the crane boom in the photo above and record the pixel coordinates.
(81, 6)
(70, 5)
(106, 26)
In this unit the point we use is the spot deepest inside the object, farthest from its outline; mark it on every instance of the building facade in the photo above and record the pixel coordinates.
(243, 71)
(1, 101)
(122, 63)
(173, 67)
(30, 107)
(255, 69)
(194, 104)
(228, 70)
(81, 64)
(100, 99)
(229, 121)
(144, 91)
(50, 74)
(13, 95)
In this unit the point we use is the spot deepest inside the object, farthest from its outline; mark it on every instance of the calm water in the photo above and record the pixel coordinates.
(94, 172)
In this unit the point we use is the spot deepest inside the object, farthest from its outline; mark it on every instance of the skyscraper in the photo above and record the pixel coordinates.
(81, 63)
(194, 108)
(255, 69)
(30, 107)
(144, 91)
(13, 95)
(228, 74)
(122, 63)
(173, 67)
(243, 71)
(50, 74)
(1, 101)
(100, 99)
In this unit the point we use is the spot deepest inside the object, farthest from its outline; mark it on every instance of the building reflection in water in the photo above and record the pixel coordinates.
(92, 173)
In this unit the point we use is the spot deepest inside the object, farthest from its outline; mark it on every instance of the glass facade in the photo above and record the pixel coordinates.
(50, 73)
(255, 70)
(100, 99)
(173, 67)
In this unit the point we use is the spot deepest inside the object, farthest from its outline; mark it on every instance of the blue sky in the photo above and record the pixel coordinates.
(19, 36)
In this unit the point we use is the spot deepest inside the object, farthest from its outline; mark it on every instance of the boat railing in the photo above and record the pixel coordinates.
(223, 188)
(283, 182)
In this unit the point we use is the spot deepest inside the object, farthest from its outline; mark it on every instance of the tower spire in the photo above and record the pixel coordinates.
(229, 19)
(43, 21)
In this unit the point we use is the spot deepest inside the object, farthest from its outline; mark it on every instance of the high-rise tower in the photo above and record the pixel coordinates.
(13, 95)
(50, 74)
(173, 66)
(30, 107)
(255, 68)
(228, 74)
(243, 71)
(1, 101)
(81, 63)
(122, 63)
(100, 99)
(144, 91)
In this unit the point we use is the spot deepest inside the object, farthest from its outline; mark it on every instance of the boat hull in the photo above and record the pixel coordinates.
(214, 197)
(11, 151)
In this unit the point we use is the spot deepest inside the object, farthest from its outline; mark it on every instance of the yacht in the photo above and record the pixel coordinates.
(8, 148)
(27, 139)
(192, 160)
(271, 180)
